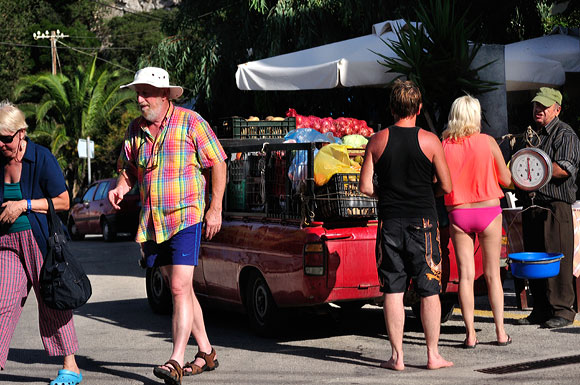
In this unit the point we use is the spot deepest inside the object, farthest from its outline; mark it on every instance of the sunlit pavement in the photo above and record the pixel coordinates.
(121, 341)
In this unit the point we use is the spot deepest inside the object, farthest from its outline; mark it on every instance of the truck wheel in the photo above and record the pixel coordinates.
(446, 310)
(351, 306)
(74, 231)
(262, 310)
(109, 234)
(158, 294)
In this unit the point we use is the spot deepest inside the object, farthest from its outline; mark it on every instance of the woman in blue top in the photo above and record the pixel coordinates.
(30, 174)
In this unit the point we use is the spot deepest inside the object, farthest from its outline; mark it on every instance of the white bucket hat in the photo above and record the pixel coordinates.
(156, 77)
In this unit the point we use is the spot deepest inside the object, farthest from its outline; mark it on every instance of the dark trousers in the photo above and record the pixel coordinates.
(552, 231)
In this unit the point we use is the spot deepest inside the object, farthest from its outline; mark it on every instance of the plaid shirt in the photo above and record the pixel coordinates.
(167, 170)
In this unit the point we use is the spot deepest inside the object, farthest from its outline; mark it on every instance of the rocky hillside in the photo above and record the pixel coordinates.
(120, 7)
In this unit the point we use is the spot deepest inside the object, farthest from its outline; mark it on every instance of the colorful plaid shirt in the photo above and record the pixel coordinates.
(168, 171)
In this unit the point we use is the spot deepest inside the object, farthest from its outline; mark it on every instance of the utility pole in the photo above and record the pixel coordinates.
(53, 36)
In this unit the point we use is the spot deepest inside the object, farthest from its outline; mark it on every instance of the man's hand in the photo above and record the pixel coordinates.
(212, 222)
(124, 184)
(115, 197)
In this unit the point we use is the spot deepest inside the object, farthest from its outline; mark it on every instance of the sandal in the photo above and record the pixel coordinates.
(211, 363)
(171, 376)
(506, 343)
(466, 346)
(67, 377)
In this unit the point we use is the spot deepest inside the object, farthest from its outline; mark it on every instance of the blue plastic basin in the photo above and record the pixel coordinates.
(535, 265)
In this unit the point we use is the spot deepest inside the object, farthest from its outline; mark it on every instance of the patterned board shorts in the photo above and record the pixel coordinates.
(408, 250)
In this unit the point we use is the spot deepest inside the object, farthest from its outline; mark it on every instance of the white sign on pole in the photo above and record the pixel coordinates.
(82, 148)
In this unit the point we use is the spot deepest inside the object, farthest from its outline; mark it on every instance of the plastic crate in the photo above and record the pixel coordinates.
(255, 196)
(237, 170)
(237, 196)
(340, 198)
(240, 128)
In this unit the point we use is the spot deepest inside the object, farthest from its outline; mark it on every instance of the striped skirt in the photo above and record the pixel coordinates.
(20, 264)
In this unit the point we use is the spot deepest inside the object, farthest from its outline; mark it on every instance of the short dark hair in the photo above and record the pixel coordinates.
(405, 99)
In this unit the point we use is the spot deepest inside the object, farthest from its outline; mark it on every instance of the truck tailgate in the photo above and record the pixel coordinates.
(351, 257)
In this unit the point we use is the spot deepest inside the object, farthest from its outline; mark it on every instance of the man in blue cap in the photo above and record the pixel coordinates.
(552, 230)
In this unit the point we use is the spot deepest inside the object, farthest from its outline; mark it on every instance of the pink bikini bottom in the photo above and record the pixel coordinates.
(474, 219)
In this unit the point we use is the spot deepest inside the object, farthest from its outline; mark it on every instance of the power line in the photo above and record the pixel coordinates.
(106, 48)
(96, 37)
(96, 56)
(111, 63)
(46, 46)
(22, 45)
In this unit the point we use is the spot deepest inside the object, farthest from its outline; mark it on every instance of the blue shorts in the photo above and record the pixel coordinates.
(180, 249)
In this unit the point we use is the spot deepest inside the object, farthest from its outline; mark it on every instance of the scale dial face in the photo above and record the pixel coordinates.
(531, 169)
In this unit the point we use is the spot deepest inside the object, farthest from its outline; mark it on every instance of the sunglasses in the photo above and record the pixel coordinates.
(8, 138)
(152, 162)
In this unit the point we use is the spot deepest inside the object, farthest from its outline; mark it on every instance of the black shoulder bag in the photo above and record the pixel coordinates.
(63, 282)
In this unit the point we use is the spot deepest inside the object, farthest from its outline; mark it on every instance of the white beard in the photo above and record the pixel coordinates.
(150, 115)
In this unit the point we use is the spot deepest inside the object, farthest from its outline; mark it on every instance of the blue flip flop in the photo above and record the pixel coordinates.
(67, 377)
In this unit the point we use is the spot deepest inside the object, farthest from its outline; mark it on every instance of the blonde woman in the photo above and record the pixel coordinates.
(477, 168)
(30, 174)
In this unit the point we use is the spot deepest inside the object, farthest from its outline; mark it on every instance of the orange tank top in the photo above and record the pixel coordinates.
(473, 170)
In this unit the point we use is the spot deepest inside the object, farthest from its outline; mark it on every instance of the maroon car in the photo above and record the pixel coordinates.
(91, 213)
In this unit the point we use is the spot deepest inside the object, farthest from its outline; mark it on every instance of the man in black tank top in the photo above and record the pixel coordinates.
(410, 166)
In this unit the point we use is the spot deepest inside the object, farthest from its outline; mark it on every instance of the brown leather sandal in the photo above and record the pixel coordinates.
(172, 376)
(211, 363)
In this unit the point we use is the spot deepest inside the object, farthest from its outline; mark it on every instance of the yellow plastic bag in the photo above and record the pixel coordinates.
(330, 160)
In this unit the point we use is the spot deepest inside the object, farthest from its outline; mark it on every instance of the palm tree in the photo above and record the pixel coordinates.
(70, 108)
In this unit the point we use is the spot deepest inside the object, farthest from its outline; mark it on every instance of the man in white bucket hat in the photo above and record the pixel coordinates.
(163, 152)
(156, 77)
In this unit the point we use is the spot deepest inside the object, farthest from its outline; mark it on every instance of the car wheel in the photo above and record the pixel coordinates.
(74, 231)
(158, 293)
(262, 311)
(109, 234)
(446, 310)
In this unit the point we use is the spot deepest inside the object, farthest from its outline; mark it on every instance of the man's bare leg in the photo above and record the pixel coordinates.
(431, 319)
(180, 283)
(394, 313)
(198, 330)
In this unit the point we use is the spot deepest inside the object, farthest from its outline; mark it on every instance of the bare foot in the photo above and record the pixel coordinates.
(438, 362)
(393, 364)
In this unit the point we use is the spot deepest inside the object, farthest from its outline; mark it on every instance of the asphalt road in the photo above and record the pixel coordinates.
(121, 340)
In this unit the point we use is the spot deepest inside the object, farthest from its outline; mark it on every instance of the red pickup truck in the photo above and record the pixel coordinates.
(286, 243)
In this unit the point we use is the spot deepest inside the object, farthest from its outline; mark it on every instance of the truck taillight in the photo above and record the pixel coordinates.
(314, 259)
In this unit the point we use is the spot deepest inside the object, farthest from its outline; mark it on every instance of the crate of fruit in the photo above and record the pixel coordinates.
(340, 198)
(240, 128)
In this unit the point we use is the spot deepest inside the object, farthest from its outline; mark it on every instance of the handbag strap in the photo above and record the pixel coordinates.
(52, 218)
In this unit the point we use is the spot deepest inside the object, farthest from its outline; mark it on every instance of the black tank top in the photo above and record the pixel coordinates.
(405, 177)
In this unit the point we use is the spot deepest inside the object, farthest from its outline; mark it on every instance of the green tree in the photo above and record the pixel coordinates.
(66, 109)
(22, 55)
(209, 39)
(437, 55)
(124, 39)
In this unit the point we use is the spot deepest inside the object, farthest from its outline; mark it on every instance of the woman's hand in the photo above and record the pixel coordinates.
(11, 210)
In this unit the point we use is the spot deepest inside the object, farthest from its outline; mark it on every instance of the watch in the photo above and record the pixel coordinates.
(531, 169)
